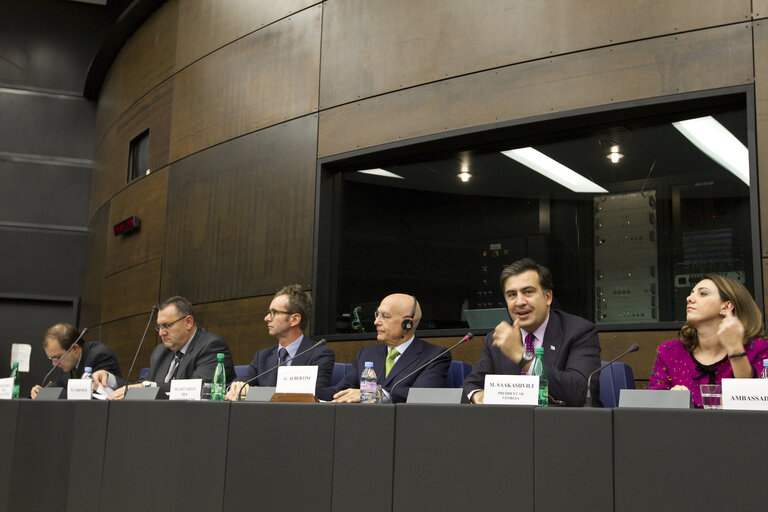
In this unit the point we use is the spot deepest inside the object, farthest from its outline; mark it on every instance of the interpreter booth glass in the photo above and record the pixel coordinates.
(628, 207)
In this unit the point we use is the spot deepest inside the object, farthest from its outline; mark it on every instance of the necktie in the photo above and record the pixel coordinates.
(390, 361)
(174, 366)
(282, 355)
(528, 348)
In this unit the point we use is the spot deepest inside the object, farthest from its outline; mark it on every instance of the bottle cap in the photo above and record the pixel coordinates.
(765, 363)
(369, 364)
(220, 356)
(88, 369)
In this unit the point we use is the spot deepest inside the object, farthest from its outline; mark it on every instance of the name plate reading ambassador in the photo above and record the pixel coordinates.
(745, 394)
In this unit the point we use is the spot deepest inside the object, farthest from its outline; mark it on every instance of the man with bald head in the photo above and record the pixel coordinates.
(400, 353)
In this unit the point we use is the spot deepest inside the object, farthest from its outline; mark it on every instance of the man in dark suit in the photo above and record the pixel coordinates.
(397, 317)
(571, 346)
(58, 339)
(286, 318)
(187, 351)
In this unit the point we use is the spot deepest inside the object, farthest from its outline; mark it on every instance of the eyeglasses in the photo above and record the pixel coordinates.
(168, 326)
(272, 312)
(385, 316)
(55, 359)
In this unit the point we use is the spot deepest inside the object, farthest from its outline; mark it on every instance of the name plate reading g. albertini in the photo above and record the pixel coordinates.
(296, 379)
(745, 394)
(186, 389)
(511, 389)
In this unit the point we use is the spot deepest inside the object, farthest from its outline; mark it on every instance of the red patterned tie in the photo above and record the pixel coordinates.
(528, 348)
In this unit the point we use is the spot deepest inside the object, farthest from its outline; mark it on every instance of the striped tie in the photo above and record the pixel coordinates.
(528, 348)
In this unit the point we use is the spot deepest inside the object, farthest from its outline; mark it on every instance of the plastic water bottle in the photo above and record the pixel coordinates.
(88, 374)
(219, 385)
(764, 371)
(368, 384)
(541, 371)
(15, 376)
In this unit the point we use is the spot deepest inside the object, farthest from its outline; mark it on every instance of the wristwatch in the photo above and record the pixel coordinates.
(527, 357)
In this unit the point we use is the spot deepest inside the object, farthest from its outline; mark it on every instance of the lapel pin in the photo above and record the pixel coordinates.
(551, 347)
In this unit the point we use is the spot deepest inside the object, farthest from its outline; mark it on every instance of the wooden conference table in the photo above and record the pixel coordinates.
(128, 456)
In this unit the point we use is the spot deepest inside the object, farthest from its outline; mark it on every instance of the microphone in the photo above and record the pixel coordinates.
(240, 393)
(82, 333)
(136, 355)
(588, 403)
(467, 337)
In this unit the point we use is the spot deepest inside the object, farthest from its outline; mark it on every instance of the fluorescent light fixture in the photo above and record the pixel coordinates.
(554, 170)
(715, 141)
(382, 173)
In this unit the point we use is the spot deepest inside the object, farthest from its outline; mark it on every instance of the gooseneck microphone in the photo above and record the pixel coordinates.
(82, 333)
(588, 403)
(240, 393)
(136, 355)
(467, 337)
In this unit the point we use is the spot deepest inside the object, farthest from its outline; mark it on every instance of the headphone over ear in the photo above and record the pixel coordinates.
(407, 324)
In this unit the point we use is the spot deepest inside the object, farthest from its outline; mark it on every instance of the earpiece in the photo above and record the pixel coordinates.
(407, 324)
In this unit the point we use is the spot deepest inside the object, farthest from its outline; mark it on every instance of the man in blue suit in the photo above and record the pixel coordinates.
(400, 354)
(286, 318)
(571, 346)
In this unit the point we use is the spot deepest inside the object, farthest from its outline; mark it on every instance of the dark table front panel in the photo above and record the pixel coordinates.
(9, 410)
(280, 457)
(165, 456)
(363, 458)
(59, 449)
(463, 457)
(698, 460)
(573, 459)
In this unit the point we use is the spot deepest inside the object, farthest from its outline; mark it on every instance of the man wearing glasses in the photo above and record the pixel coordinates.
(287, 319)
(58, 340)
(188, 351)
(400, 354)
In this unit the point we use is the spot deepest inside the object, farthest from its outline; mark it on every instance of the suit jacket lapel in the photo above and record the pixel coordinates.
(403, 363)
(552, 338)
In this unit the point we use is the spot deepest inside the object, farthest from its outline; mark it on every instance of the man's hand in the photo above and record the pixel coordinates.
(100, 377)
(234, 390)
(478, 397)
(35, 391)
(507, 338)
(348, 395)
(119, 393)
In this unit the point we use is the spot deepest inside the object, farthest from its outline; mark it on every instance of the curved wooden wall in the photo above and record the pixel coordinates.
(242, 97)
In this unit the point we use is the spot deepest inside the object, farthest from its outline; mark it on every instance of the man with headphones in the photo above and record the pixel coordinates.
(400, 354)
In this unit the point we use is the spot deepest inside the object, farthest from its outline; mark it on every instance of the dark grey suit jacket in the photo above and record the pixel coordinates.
(419, 352)
(96, 355)
(199, 362)
(571, 353)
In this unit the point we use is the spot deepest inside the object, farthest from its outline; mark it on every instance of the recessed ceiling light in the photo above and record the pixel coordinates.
(554, 170)
(382, 173)
(714, 140)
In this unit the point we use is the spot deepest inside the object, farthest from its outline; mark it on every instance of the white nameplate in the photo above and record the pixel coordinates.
(186, 389)
(79, 389)
(745, 394)
(511, 389)
(6, 388)
(296, 379)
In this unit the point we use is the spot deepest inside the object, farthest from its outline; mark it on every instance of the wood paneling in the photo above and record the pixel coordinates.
(95, 259)
(123, 337)
(206, 25)
(241, 324)
(265, 78)
(110, 172)
(146, 200)
(692, 61)
(131, 292)
(760, 32)
(371, 48)
(147, 59)
(759, 8)
(240, 215)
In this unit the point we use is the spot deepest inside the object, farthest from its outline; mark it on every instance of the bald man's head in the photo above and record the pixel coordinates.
(390, 317)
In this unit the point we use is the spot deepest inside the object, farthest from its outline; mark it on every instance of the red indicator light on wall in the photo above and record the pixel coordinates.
(126, 226)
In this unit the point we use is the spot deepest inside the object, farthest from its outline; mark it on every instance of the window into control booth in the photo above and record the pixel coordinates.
(627, 206)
